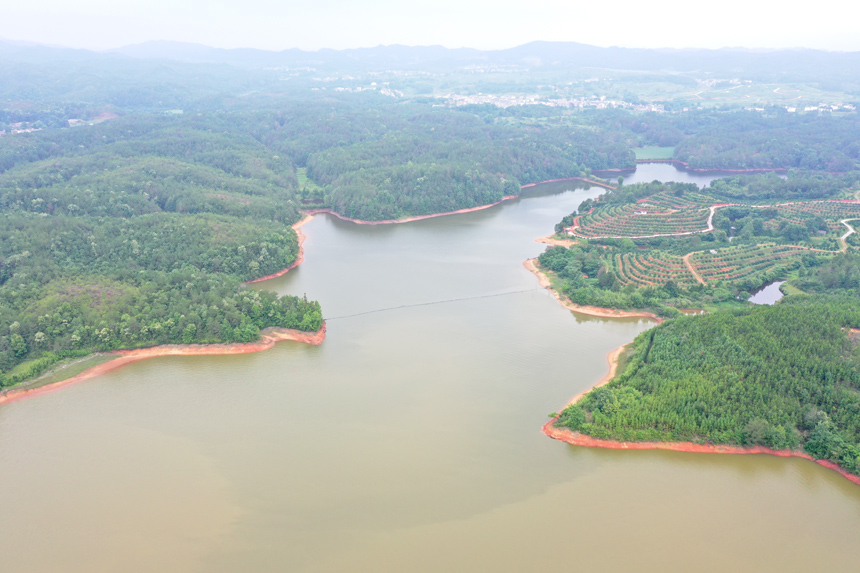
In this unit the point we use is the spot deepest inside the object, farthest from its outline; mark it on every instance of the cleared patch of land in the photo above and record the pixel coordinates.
(651, 153)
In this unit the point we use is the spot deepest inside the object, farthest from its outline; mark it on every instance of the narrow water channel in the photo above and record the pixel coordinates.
(409, 441)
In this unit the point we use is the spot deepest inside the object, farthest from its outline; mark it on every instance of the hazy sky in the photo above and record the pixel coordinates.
(485, 24)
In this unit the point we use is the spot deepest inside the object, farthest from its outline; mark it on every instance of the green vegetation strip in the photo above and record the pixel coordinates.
(68, 369)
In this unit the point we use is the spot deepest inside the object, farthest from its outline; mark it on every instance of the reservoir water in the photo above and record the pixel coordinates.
(408, 441)
(647, 172)
(768, 294)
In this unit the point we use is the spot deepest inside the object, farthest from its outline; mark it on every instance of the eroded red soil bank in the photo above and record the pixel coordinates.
(583, 309)
(577, 439)
(299, 259)
(268, 338)
(410, 219)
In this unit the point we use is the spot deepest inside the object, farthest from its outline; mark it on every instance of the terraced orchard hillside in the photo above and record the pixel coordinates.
(672, 246)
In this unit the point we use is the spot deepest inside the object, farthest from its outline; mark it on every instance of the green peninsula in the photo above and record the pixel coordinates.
(784, 376)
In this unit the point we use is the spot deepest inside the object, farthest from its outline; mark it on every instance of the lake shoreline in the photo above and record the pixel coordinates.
(577, 439)
(682, 166)
(602, 312)
(412, 218)
(551, 240)
(300, 258)
(269, 337)
(613, 358)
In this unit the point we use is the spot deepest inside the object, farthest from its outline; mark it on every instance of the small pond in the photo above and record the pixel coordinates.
(768, 294)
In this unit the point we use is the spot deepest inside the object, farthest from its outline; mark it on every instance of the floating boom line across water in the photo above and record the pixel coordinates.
(430, 303)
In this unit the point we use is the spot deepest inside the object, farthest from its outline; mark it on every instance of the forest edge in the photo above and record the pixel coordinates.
(578, 439)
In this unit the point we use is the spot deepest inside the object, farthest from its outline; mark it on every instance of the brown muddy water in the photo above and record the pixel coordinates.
(408, 441)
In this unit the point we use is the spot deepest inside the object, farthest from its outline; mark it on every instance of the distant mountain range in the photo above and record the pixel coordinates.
(531, 55)
(534, 55)
(175, 75)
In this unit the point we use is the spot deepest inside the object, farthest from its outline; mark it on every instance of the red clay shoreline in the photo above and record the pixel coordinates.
(409, 219)
(269, 337)
(433, 215)
(544, 281)
(297, 227)
(577, 439)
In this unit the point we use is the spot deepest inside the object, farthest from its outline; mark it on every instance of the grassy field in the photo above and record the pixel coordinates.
(646, 153)
(67, 369)
(302, 176)
(309, 191)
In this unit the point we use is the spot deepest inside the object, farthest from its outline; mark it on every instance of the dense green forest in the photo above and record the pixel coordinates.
(786, 377)
(750, 140)
(395, 161)
(143, 204)
(366, 161)
(138, 232)
(771, 138)
(713, 139)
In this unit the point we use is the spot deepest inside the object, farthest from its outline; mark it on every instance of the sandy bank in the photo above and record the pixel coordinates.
(268, 338)
(583, 309)
(551, 240)
(577, 439)
(613, 358)
(297, 227)
(410, 219)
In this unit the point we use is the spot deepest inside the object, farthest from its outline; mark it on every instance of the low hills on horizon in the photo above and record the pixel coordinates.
(533, 55)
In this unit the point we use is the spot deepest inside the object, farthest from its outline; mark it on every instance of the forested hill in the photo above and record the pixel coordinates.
(139, 232)
(143, 212)
(427, 162)
(779, 140)
(785, 377)
(365, 161)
